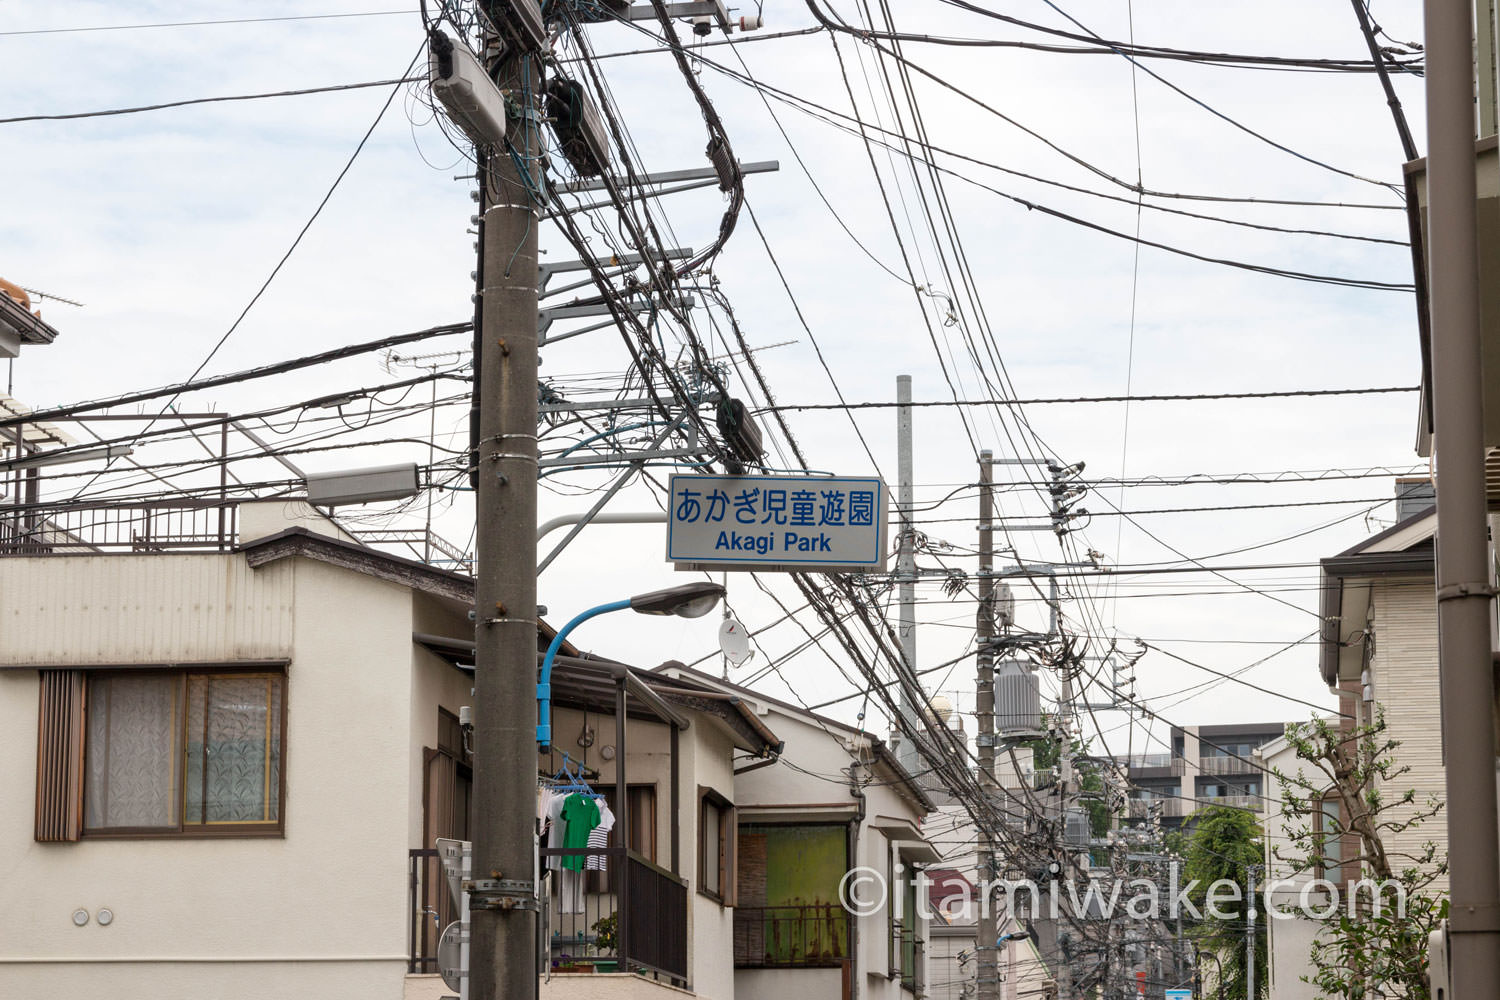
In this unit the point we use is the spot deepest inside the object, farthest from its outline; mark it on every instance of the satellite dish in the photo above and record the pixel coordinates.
(449, 956)
(734, 641)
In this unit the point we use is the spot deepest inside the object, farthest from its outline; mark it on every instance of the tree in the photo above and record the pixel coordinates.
(1340, 821)
(1046, 751)
(1223, 846)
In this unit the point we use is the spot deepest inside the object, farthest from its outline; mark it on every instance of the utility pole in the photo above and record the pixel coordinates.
(906, 571)
(1253, 871)
(503, 952)
(1464, 593)
(985, 948)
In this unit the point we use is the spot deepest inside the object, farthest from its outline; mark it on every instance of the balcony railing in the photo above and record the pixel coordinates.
(112, 527)
(635, 922)
(629, 916)
(913, 955)
(1226, 765)
(430, 908)
(814, 935)
(1169, 807)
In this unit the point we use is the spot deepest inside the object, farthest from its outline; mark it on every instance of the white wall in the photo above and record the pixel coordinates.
(711, 934)
(319, 911)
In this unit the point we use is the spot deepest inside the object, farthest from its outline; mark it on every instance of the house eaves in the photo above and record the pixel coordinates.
(885, 759)
(1343, 602)
(359, 559)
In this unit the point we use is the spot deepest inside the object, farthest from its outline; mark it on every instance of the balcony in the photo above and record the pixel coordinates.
(1226, 765)
(183, 525)
(631, 916)
(1171, 808)
(812, 936)
(1164, 764)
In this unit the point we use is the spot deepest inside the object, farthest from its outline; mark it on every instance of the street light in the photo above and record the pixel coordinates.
(690, 600)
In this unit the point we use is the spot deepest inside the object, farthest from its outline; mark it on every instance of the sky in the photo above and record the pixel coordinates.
(165, 225)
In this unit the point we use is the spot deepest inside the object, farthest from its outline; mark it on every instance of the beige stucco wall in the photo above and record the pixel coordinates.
(320, 911)
(435, 683)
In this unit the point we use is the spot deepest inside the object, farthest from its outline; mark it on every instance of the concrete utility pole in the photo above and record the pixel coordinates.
(985, 948)
(906, 571)
(1463, 584)
(503, 952)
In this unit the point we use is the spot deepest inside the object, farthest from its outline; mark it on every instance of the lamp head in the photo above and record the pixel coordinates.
(691, 600)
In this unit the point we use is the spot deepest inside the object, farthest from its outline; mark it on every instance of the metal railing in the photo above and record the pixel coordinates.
(814, 935)
(624, 915)
(913, 955)
(1226, 765)
(1169, 807)
(429, 903)
(106, 527)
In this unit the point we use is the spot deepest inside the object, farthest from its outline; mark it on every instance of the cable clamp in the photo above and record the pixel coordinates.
(1456, 591)
(1483, 919)
(501, 894)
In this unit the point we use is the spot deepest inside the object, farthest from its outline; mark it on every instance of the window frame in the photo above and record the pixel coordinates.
(727, 862)
(1326, 838)
(202, 830)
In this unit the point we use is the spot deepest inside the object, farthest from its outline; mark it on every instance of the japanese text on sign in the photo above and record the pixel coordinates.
(798, 522)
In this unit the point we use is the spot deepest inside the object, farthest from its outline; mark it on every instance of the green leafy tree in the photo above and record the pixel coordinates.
(1339, 819)
(1046, 751)
(1222, 847)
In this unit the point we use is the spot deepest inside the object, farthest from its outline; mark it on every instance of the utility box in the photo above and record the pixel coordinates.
(386, 482)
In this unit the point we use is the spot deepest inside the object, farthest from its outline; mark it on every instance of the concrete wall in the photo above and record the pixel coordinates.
(318, 911)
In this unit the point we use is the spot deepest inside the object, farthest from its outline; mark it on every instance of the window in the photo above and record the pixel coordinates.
(642, 822)
(787, 910)
(716, 829)
(160, 752)
(1328, 828)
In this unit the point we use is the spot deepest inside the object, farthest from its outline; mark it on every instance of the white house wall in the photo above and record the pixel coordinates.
(318, 912)
(1288, 938)
(711, 930)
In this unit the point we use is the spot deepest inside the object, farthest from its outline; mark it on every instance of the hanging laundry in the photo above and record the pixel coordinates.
(581, 814)
(599, 837)
(570, 890)
(556, 829)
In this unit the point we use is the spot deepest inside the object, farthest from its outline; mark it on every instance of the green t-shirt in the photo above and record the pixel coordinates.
(581, 813)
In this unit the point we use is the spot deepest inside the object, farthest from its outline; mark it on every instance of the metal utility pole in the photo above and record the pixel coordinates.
(1464, 592)
(906, 571)
(503, 952)
(1253, 871)
(986, 951)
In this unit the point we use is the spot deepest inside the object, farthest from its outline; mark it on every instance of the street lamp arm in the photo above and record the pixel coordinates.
(544, 683)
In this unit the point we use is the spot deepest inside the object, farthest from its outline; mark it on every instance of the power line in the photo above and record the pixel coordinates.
(197, 24)
(1163, 398)
(209, 100)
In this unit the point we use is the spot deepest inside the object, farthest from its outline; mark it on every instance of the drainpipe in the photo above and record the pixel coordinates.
(854, 825)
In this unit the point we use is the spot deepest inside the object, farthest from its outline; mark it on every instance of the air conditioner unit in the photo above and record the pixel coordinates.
(467, 93)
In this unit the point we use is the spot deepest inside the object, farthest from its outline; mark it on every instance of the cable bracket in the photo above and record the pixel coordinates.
(1456, 591)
